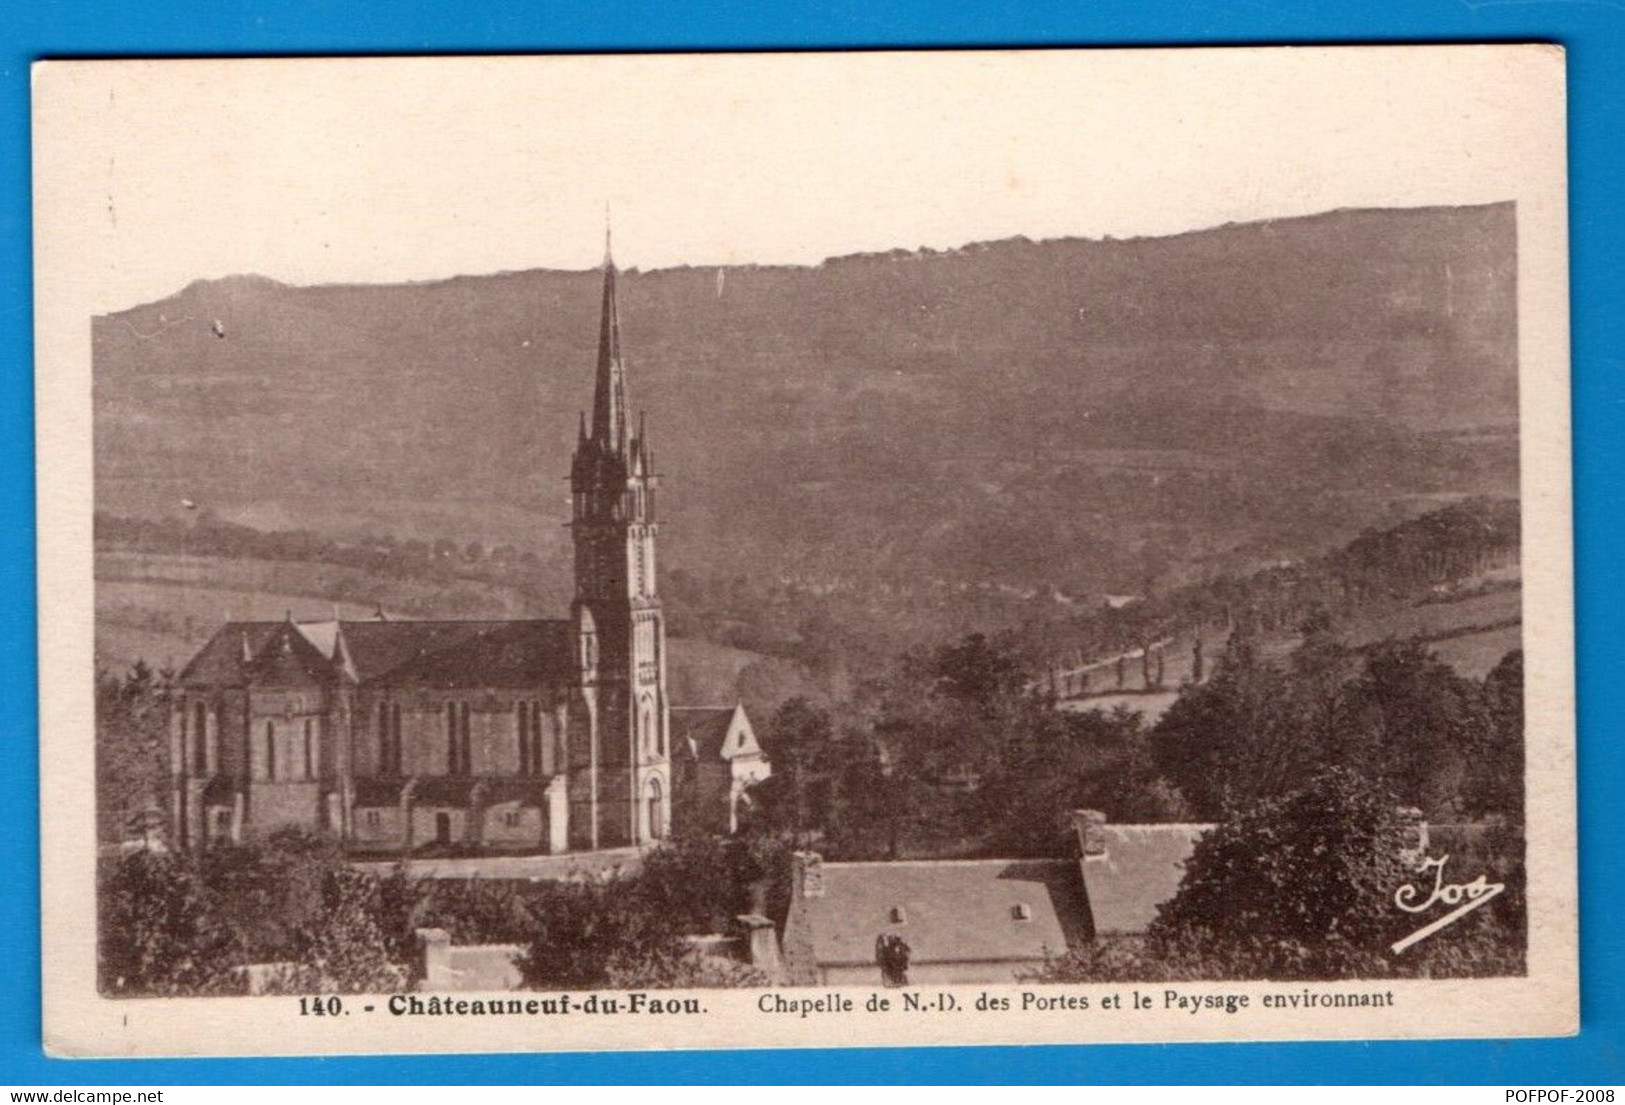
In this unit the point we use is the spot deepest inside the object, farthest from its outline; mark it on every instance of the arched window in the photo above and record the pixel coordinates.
(383, 739)
(200, 740)
(310, 752)
(523, 710)
(452, 758)
(395, 739)
(538, 761)
(467, 756)
(270, 750)
(646, 727)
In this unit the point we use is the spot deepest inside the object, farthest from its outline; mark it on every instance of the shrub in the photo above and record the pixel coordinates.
(1303, 887)
(591, 934)
(160, 932)
(341, 949)
(1315, 868)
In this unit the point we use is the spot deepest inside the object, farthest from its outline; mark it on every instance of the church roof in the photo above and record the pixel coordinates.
(702, 729)
(265, 653)
(952, 911)
(437, 653)
(480, 654)
(220, 663)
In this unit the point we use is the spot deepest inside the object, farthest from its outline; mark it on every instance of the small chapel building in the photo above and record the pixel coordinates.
(547, 735)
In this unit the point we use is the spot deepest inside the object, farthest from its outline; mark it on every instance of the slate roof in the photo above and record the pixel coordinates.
(437, 653)
(954, 911)
(701, 729)
(372, 792)
(443, 790)
(479, 654)
(1140, 870)
(525, 791)
(266, 653)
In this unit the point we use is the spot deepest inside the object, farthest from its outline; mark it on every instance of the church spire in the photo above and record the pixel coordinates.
(609, 427)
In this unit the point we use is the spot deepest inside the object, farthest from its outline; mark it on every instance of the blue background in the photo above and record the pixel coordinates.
(1593, 32)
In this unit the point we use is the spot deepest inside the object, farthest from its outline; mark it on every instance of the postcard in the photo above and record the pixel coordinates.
(804, 550)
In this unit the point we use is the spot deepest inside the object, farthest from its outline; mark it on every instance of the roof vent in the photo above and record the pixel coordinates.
(899, 916)
(1021, 911)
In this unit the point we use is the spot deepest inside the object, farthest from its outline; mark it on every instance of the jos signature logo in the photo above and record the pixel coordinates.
(1465, 897)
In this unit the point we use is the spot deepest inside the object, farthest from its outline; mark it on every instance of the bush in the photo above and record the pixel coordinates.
(1303, 887)
(160, 932)
(473, 911)
(1315, 868)
(341, 949)
(590, 934)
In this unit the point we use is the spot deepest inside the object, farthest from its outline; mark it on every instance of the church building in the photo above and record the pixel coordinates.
(550, 735)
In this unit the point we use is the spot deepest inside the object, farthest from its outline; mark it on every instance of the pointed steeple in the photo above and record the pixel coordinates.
(609, 427)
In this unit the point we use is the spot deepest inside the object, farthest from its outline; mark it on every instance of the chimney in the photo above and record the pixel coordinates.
(1414, 831)
(1090, 826)
(763, 945)
(807, 874)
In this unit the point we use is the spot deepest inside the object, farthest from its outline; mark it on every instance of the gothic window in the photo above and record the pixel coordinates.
(200, 740)
(395, 738)
(523, 710)
(538, 762)
(389, 738)
(310, 751)
(452, 758)
(270, 751)
(466, 745)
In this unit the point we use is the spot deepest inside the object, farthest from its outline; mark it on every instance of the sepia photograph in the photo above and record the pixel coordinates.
(798, 550)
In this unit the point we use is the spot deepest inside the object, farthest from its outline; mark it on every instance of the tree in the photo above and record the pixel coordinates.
(696, 883)
(1495, 784)
(1303, 883)
(875, 806)
(160, 932)
(1231, 740)
(132, 753)
(272, 890)
(797, 739)
(1418, 723)
(591, 933)
(1088, 760)
(342, 949)
(975, 673)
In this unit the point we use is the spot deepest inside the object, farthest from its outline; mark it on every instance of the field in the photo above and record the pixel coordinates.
(1471, 634)
(1438, 621)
